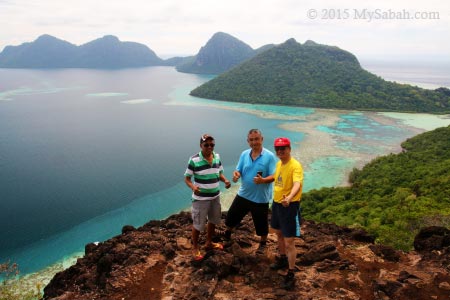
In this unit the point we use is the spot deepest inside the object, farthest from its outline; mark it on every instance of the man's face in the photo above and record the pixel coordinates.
(283, 152)
(255, 140)
(207, 146)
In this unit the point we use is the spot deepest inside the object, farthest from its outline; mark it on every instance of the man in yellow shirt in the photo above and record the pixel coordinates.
(285, 220)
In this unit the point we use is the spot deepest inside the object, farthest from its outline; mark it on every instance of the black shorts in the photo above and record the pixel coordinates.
(286, 219)
(241, 206)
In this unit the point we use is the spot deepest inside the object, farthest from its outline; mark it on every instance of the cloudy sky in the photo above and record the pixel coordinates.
(369, 29)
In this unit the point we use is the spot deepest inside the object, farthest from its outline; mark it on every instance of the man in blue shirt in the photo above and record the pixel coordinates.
(255, 168)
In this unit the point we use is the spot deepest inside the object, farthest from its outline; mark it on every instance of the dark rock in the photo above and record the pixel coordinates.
(320, 252)
(328, 265)
(90, 248)
(219, 264)
(386, 286)
(127, 228)
(362, 236)
(168, 251)
(171, 224)
(132, 260)
(432, 238)
(104, 267)
(385, 252)
(404, 275)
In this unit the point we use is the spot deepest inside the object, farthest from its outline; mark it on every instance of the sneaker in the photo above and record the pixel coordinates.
(281, 262)
(197, 256)
(261, 248)
(289, 281)
(214, 246)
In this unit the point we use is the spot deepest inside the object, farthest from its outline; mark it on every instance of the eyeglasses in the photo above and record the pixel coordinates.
(209, 145)
(280, 148)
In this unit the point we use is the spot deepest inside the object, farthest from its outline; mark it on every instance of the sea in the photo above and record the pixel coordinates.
(85, 152)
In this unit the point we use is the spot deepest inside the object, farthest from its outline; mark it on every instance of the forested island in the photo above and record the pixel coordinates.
(107, 52)
(221, 53)
(393, 196)
(321, 76)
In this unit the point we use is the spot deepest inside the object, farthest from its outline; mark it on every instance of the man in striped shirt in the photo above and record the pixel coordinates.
(207, 170)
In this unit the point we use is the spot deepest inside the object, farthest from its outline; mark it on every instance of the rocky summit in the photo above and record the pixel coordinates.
(155, 262)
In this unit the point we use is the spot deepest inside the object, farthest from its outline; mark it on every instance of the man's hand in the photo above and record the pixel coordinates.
(196, 190)
(236, 176)
(285, 201)
(227, 184)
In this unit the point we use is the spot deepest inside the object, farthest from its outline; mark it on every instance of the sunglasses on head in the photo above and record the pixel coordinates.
(206, 145)
(280, 148)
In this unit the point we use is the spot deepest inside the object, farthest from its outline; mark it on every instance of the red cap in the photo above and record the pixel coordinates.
(282, 142)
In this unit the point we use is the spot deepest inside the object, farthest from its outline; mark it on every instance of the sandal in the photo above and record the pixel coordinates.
(214, 246)
(198, 256)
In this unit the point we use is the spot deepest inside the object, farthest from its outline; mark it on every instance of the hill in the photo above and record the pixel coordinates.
(314, 75)
(178, 60)
(154, 262)
(393, 196)
(221, 52)
(107, 52)
(45, 52)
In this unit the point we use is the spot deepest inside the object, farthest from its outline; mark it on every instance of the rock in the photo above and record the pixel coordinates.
(104, 267)
(444, 286)
(320, 252)
(386, 286)
(432, 238)
(89, 248)
(404, 275)
(219, 264)
(127, 228)
(184, 243)
(154, 261)
(385, 252)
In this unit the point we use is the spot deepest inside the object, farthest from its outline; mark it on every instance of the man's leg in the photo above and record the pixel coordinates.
(260, 215)
(214, 217)
(236, 213)
(291, 253)
(198, 225)
(209, 234)
(281, 261)
(195, 235)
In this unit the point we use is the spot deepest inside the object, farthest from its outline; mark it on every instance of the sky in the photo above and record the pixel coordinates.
(379, 30)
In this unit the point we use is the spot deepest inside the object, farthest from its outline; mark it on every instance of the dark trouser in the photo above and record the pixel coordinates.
(241, 206)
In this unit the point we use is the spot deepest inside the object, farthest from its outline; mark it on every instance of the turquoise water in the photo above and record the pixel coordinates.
(327, 172)
(365, 133)
(85, 152)
(180, 96)
(150, 207)
(358, 125)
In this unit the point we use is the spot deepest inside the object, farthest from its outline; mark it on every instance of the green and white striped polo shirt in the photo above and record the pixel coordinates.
(206, 175)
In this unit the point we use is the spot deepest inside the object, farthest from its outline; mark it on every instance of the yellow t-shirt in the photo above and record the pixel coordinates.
(285, 176)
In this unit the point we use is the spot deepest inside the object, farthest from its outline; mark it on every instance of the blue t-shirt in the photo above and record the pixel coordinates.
(265, 162)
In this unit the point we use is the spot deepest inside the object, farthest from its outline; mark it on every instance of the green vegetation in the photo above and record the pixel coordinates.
(12, 288)
(313, 75)
(393, 196)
